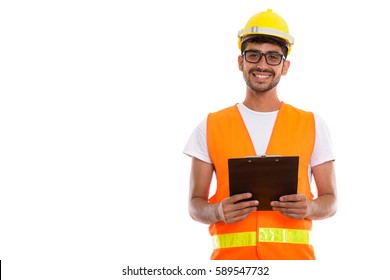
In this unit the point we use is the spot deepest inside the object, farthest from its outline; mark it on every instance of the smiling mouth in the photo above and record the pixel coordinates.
(262, 76)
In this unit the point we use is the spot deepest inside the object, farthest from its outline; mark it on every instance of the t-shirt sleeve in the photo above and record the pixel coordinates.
(323, 147)
(197, 143)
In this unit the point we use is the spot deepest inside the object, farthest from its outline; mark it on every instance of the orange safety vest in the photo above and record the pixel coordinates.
(265, 235)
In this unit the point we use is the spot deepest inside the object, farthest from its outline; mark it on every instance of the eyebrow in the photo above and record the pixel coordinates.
(263, 52)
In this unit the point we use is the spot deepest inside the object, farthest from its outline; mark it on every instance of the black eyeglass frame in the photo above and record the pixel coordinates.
(265, 55)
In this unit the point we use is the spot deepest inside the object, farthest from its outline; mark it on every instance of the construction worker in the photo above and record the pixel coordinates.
(261, 125)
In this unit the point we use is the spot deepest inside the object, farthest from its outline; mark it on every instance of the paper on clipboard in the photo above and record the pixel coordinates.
(266, 177)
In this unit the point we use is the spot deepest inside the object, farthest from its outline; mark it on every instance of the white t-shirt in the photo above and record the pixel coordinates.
(264, 122)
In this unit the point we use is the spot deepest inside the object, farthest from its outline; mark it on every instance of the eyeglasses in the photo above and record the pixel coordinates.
(272, 58)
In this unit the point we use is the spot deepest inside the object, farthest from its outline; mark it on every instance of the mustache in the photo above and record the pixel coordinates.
(261, 71)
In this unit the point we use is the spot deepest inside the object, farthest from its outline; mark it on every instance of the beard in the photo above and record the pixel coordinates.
(260, 87)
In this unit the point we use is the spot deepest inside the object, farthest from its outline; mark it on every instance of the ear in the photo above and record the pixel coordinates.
(286, 66)
(240, 62)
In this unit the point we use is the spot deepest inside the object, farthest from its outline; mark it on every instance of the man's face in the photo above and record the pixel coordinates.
(262, 77)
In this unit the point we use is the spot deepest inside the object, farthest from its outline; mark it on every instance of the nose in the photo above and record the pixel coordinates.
(262, 62)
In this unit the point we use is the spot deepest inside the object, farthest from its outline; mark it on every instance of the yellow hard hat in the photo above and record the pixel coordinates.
(266, 23)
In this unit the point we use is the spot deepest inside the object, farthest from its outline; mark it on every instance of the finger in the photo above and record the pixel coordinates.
(280, 204)
(297, 216)
(287, 205)
(289, 210)
(295, 213)
(239, 211)
(237, 219)
(239, 215)
(293, 197)
(245, 204)
(238, 197)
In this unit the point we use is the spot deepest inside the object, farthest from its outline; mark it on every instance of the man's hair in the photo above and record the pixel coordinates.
(265, 39)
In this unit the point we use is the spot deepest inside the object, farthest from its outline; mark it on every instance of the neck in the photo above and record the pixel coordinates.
(262, 102)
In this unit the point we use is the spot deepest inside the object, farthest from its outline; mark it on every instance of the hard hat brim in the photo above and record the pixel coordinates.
(256, 30)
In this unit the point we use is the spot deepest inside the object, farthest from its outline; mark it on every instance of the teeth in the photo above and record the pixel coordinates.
(261, 76)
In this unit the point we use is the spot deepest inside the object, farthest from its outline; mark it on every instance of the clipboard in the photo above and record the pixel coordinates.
(266, 177)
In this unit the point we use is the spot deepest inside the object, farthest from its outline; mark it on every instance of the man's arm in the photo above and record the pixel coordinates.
(325, 205)
(200, 179)
(229, 210)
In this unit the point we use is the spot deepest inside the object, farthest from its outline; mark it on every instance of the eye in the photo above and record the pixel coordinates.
(273, 56)
(252, 55)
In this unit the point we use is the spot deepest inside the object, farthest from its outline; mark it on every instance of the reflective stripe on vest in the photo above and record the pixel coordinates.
(279, 235)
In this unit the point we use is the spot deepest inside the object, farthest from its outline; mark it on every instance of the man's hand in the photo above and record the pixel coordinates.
(230, 210)
(294, 206)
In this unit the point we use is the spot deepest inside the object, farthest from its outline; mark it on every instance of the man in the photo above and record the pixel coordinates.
(261, 124)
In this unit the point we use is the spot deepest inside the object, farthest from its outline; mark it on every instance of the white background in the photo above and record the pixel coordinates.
(98, 99)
